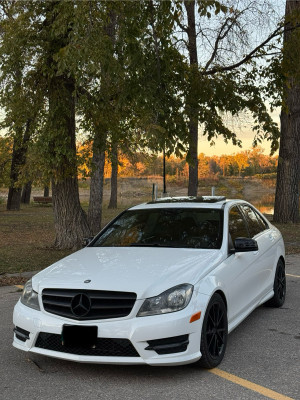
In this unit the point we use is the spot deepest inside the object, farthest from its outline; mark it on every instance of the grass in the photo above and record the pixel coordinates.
(27, 236)
(291, 236)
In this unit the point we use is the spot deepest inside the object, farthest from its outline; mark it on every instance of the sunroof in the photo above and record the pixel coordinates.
(189, 199)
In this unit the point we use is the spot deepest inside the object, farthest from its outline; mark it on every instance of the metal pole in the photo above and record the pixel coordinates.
(164, 170)
(154, 192)
(213, 189)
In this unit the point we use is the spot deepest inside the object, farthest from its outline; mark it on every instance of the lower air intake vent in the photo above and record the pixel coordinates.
(105, 347)
(175, 344)
(21, 334)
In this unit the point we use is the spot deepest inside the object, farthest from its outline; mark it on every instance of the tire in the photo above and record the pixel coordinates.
(214, 333)
(279, 286)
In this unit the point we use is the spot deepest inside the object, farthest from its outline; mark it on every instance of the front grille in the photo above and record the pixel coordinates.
(105, 347)
(175, 344)
(101, 304)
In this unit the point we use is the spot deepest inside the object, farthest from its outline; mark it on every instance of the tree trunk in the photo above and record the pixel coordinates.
(286, 207)
(18, 161)
(70, 220)
(26, 192)
(191, 101)
(46, 191)
(13, 199)
(113, 202)
(96, 190)
(71, 224)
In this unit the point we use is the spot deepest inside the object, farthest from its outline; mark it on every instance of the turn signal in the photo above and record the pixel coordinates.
(195, 317)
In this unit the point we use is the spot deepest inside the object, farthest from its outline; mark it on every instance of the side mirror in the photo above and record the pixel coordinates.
(87, 241)
(242, 245)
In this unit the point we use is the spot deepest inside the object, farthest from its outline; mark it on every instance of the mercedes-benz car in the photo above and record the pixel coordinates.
(162, 284)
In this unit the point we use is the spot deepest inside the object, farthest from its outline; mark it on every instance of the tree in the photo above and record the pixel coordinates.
(242, 160)
(192, 98)
(20, 102)
(26, 193)
(69, 218)
(98, 96)
(42, 32)
(224, 162)
(224, 78)
(286, 207)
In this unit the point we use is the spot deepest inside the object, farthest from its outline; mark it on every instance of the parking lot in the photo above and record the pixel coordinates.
(261, 362)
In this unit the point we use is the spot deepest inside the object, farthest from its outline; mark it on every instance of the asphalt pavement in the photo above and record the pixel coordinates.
(261, 362)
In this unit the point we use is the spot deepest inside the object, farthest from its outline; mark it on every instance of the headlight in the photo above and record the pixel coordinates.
(29, 297)
(171, 300)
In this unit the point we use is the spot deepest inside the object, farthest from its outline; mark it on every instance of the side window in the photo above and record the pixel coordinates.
(262, 222)
(254, 224)
(237, 225)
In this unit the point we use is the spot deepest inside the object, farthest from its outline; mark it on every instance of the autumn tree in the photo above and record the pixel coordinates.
(242, 160)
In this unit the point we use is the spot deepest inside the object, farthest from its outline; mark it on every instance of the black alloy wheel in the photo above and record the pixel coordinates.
(214, 333)
(279, 286)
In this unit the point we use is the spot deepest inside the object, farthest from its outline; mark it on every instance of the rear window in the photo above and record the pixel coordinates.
(168, 227)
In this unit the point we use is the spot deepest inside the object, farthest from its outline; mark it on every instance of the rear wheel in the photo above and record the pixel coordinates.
(279, 286)
(214, 333)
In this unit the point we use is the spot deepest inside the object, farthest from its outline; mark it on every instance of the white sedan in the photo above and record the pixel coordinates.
(162, 284)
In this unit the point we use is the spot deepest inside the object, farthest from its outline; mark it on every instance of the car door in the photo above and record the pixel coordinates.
(241, 269)
(265, 259)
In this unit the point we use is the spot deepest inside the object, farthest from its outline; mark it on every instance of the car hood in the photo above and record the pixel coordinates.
(144, 271)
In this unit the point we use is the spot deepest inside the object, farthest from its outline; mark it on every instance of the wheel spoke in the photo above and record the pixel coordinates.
(220, 319)
(211, 319)
(211, 339)
(221, 338)
(215, 353)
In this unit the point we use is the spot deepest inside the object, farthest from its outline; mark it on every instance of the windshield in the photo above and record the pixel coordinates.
(168, 227)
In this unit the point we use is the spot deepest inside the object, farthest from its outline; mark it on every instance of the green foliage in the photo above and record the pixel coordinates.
(206, 7)
(5, 160)
(129, 77)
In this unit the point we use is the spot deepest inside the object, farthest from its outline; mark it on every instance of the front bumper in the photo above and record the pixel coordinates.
(139, 331)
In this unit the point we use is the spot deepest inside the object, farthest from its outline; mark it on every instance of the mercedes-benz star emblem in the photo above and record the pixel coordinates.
(80, 305)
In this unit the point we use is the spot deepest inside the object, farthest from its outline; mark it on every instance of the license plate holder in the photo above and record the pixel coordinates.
(79, 336)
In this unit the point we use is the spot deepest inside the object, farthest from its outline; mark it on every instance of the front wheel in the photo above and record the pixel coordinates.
(279, 286)
(214, 333)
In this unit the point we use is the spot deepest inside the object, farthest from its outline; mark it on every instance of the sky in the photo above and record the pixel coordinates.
(243, 132)
(222, 148)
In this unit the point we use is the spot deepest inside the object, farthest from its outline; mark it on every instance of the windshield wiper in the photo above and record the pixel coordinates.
(149, 245)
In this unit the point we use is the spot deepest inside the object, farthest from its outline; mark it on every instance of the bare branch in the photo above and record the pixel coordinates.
(181, 40)
(229, 22)
(279, 31)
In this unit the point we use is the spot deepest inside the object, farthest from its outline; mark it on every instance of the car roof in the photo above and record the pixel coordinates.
(216, 202)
